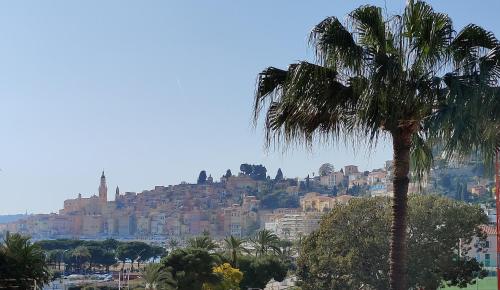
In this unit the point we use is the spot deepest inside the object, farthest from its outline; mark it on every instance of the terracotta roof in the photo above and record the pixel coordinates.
(345, 197)
(324, 198)
(489, 229)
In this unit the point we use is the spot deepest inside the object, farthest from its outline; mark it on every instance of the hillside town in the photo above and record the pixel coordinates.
(236, 205)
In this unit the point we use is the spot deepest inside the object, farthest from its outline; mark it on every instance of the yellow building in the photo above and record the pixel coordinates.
(313, 201)
(92, 225)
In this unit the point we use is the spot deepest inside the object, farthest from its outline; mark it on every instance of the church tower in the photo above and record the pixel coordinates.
(117, 193)
(103, 189)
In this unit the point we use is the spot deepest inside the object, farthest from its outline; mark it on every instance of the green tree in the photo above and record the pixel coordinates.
(351, 248)
(259, 172)
(158, 252)
(96, 254)
(157, 278)
(476, 100)
(56, 257)
(202, 242)
(265, 242)
(256, 172)
(246, 169)
(191, 268)
(325, 169)
(145, 253)
(202, 178)
(80, 256)
(279, 175)
(228, 173)
(234, 248)
(378, 76)
(286, 250)
(107, 259)
(60, 244)
(173, 244)
(278, 199)
(258, 271)
(124, 252)
(110, 244)
(22, 263)
(135, 251)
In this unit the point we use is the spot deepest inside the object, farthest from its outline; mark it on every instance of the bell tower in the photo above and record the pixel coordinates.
(103, 189)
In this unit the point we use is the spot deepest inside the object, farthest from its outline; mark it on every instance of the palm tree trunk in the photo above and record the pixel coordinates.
(401, 140)
(234, 258)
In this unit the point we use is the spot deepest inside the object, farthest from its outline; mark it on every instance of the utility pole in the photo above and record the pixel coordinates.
(128, 279)
(497, 200)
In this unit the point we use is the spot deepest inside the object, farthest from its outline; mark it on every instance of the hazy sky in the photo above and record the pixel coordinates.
(152, 91)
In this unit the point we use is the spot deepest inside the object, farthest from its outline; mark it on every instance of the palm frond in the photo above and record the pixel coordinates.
(335, 46)
(469, 44)
(421, 157)
(269, 82)
(310, 100)
(370, 28)
(429, 34)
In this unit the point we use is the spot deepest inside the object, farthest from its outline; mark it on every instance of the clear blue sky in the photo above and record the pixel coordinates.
(152, 91)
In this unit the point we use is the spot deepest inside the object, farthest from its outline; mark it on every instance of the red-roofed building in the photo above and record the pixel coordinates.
(486, 252)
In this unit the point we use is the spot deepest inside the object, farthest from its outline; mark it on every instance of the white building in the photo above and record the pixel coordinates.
(293, 226)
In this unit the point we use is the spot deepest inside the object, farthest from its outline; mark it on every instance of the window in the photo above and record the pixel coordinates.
(487, 260)
(487, 244)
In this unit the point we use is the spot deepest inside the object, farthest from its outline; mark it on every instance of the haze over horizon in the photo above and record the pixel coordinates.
(153, 92)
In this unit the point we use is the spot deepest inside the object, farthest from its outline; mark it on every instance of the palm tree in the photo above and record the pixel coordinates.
(235, 247)
(157, 278)
(22, 263)
(173, 244)
(376, 77)
(264, 242)
(477, 104)
(202, 242)
(81, 255)
(286, 249)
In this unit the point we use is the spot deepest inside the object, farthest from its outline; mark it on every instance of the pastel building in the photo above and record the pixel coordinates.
(92, 225)
(294, 226)
(315, 202)
(333, 179)
(485, 252)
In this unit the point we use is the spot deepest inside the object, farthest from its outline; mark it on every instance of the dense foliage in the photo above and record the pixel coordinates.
(202, 177)
(22, 264)
(259, 270)
(155, 278)
(257, 172)
(81, 255)
(230, 276)
(351, 248)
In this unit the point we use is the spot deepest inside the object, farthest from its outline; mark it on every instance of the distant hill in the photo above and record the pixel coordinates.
(10, 218)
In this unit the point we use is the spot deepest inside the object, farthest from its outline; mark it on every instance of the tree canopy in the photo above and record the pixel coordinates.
(191, 268)
(256, 172)
(325, 169)
(279, 175)
(202, 177)
(259, 270)
(22, 263)
(351, 248)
